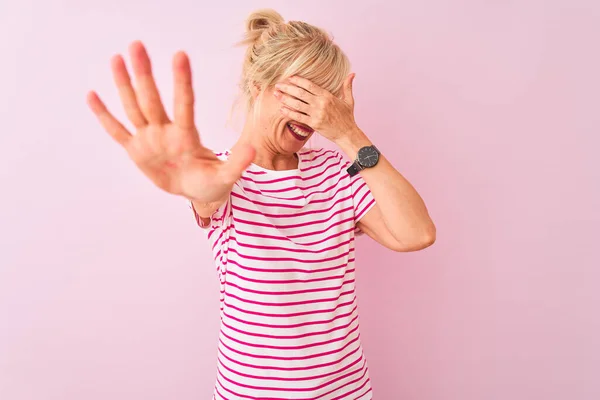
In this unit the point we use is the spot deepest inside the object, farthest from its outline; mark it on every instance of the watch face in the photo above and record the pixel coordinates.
(368, 157)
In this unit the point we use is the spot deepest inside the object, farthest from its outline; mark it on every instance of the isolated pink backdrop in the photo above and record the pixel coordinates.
(490, 108)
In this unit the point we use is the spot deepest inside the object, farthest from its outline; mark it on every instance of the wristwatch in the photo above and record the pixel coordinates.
(367, 157)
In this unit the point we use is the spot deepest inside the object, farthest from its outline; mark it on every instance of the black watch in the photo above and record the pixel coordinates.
(367, 157)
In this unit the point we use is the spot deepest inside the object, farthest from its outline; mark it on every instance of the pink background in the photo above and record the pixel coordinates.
(491, 109)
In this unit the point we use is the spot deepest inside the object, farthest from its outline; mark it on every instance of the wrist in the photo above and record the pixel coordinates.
(204, 210)
(352, 142)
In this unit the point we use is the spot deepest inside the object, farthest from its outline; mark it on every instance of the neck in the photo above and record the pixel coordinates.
(267, 156)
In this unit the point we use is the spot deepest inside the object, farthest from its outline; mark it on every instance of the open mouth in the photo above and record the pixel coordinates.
(299, 132)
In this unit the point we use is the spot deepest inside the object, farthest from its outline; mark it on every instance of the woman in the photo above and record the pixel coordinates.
(281, 218)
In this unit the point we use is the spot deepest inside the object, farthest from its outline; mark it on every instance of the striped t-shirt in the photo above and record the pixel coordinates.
(284, 248)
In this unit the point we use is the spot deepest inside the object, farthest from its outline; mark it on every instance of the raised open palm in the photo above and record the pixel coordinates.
(169, 152)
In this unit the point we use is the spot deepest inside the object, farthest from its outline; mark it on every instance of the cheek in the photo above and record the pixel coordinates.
(270, 114)
(272, 110)
(272, 104)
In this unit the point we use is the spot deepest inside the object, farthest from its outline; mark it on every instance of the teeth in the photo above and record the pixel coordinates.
(297, 131)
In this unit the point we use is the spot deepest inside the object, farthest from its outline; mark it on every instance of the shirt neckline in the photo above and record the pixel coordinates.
(294, 171)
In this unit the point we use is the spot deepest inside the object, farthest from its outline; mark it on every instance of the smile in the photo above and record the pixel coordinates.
(299, 132)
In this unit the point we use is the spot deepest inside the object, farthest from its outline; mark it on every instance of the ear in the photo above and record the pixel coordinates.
(348, 96)
(254, 90)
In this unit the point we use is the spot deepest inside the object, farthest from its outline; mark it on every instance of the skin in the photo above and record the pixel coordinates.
(170, 153)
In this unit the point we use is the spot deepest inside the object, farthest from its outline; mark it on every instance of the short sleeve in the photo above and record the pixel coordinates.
(220, 219)
(362, 198)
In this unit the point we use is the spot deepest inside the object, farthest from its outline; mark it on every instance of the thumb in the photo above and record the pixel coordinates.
(242, 155)
(348, 95)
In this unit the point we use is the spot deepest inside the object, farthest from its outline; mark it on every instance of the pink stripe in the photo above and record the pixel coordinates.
(291, 292)
(285, 337)
(259, 235)
(322, 155)
(325, 180)
(315, 366)
(219, 393)
(312, 233)
(284, 389)
(355, 193)
(365, 392)
(289, 281)
(364, 210)
(299, 260)
(289, 326)
(288, 315)
(323, 250)
(297, 358)
(211, 230)
(221, 236)
(243, 396)
(302, 196)
(290, 303)
(270, 204)
(312, 151)
(282, 270)
(320, 165)
(293, 215)
(306, 346)
(227, 211)
(256, 172)
(348, 384)
(224, 274)
(303, 378)
(299, 225)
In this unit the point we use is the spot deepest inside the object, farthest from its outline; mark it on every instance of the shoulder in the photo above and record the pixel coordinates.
(322, 156)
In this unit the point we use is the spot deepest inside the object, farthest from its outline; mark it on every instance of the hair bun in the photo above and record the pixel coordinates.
(263, 19)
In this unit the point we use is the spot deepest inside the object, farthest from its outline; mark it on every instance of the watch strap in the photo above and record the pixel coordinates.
(355, 168)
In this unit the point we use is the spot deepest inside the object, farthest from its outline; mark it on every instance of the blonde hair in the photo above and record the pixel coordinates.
(277, 50)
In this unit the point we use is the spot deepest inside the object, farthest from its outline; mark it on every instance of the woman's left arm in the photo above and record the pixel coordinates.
(399, 220)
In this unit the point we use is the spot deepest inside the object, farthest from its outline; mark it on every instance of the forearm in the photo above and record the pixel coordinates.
(402, 208)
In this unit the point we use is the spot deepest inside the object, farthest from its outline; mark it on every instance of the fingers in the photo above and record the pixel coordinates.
(292, 102)
(126, 92)
(114, 128)
(148, 96)
(242, 155)
(296, 116)
(184, 93)
(296, 92)
(308, 85)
